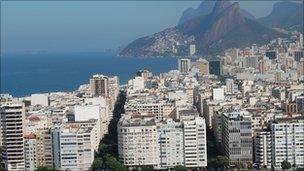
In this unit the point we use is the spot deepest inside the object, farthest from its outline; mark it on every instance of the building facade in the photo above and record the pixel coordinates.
(184, 65)
(237, 137)
(99, 85)
(287, 141)
(162, 144)
(72, 147)
(12, 123)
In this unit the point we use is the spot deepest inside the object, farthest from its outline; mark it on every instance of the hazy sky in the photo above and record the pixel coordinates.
(91, 26)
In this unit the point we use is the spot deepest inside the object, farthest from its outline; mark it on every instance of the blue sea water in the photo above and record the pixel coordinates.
(25, 74)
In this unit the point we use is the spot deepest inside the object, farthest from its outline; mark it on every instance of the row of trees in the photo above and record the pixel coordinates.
(222, 162)
(219, 162)
(106, 157)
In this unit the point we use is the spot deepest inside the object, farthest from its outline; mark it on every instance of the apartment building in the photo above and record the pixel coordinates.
(262, 146)
(171, 143)
(152, 106)
(195, 144)
(30, 152)
(44, 148)
(137, 141)
(287, 141)
(99, 85)
(237, 136)
(162, 144)
(72, 147)
(184, 65)
(12, 122)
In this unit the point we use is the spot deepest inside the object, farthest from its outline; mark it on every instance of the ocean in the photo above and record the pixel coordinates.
(25, 74)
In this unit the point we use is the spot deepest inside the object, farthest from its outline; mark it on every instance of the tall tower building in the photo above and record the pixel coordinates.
(30, 151)
(287, 137)
(301, 68)
(195, 144)
(229, 85)
(184, 65)
(145, 74)
(262, 66)
(300, 104)
(137, 141)
(203, 66)
(237, 136)
(99, 85)
(73, 146)
(298, 55)
(12, 119)
(44, 148)
(262, 148)
(215, 67)
(192, 50)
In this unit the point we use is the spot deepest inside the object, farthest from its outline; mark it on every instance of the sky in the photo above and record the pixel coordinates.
(79, 26)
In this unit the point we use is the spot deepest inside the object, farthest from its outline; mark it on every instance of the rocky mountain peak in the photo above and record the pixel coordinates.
(220, 6)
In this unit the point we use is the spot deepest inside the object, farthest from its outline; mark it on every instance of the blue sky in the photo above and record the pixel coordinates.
(93, 25)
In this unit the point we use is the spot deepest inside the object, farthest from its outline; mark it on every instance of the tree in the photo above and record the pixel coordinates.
(180, 168)
(212, 162)
(249, 166)
(103, 149)
(222, 161)
(147, 168)
(97, 163)
(114, 164)
(45, 168)
(285, 165)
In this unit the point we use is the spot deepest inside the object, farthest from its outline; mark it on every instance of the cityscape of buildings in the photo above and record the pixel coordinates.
(250, 100)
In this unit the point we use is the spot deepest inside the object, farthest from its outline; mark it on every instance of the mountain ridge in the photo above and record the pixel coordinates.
(210, 34)
(205, 8)
(286, 15)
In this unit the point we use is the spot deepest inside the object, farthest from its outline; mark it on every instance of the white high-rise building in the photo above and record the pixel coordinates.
(160, 109)
(30, 152)
(40, 99)
(287, 135)
(192, 49)
(137, 141)
(218, 94)
(87, 112)
(229, 86)
(195, 143)
(73, 146)
(184, 65)
(99, 112)
(171, 144)
(12, 119)
(163, 144)
(137, 83)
